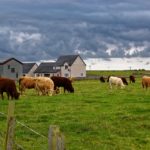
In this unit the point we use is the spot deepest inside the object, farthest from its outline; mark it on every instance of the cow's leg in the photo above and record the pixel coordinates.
(64, 90)
(110, 85)
(8, 95)
(146, 86)
(2, 95)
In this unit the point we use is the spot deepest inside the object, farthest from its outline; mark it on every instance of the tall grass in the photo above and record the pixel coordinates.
(93, 118)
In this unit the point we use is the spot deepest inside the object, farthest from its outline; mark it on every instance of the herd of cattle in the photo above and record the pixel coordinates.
(121, 81)
(51, 86)
(43, 85)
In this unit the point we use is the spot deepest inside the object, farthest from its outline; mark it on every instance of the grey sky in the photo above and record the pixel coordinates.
(35, 29)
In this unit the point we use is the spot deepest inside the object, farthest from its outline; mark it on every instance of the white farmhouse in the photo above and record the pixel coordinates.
(65, 66)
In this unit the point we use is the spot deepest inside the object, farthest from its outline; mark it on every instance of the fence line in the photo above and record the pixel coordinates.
(31, 129)
(22, 124)
(55, 137)
(19, 146)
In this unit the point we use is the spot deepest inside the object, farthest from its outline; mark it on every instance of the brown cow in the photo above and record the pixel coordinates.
(146, 81)
(132, 79)
(26, 83)
(8, 85)
(63, 82)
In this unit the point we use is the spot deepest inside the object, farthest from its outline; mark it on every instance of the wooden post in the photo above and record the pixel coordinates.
(55, 139)
(10, 126)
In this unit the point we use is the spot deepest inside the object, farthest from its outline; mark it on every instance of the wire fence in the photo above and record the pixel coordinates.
(23, 129)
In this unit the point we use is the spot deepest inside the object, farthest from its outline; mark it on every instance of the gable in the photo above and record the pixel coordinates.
(79, 61)
(66, 59)
(28, 66)
(70, 59)
(8, 60)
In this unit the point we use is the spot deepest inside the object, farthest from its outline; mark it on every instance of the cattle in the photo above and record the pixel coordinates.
(132, 79)
(124, 80)
(115, 81)
(63, 82)
(26, 83)
(8, 85)
(44, 86)
(146, 81)
(102, 79)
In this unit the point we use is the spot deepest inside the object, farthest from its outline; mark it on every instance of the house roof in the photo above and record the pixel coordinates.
(66, 58)
(27, 67)
(4, 61)
(46, 67)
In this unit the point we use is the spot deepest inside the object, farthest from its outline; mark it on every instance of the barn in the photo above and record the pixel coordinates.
(11, 68)
(65, 66)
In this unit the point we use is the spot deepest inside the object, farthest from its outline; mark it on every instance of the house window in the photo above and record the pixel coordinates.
(12, 70)
(66, 75)
(8, 66)
(46, 75)
(16, 75)
(37, 75)
(81, 74)
(66, 67)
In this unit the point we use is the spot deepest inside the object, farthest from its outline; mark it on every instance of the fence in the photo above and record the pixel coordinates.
(55, 139)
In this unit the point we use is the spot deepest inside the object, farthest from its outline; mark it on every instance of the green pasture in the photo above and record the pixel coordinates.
(125, 73)
(93, 118)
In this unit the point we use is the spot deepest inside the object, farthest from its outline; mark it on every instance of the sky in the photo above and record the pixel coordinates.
(33, 30)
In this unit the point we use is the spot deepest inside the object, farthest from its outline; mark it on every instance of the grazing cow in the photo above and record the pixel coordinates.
(115, 81)
(124, 80)
(102, 79)
(8, 85)
(26, 83)
(44, 85)
(132, 79)
(63, 82)
(146, 81)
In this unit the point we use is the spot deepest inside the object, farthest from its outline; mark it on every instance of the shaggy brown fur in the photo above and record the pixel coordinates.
(8, 85)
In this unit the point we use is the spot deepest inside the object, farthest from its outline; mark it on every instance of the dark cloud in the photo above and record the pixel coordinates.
(35, 29)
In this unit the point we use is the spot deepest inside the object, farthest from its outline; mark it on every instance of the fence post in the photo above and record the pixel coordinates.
(55, 138)
(10, 126)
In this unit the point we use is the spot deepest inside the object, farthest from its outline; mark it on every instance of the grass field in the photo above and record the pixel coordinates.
(93, 118)
(126, 73)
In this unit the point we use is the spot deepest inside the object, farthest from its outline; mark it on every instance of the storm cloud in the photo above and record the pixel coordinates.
(33, 30)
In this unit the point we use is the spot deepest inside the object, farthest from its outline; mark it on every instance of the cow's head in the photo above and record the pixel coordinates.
(16, 96)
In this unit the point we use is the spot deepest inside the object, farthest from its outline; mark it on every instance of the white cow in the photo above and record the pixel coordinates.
(115, 81)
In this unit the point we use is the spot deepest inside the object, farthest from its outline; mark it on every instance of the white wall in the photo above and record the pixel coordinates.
(78, 69)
